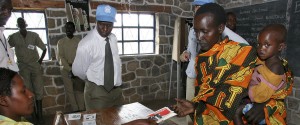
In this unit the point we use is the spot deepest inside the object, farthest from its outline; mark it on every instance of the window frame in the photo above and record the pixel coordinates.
(122, 27)
(46, 27)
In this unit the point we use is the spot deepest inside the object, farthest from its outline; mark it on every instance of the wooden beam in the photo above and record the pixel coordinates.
(37, 4)
(43, 4)
(134, 8)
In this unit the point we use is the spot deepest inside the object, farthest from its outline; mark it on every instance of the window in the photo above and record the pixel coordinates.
(36, 22)
(135, 32)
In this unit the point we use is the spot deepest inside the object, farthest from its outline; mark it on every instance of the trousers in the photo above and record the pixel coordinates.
(96, 97)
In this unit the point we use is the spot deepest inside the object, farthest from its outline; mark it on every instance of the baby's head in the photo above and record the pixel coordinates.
(271, 41)
(15, 99)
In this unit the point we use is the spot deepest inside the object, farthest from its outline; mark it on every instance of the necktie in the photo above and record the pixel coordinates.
(108, 67)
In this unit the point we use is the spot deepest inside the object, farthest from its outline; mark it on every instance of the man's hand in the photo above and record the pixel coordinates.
(141, 122)
(185, 56)
(256, 113)
(183, 107)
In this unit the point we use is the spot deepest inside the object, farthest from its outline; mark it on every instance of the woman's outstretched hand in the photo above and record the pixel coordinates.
(183, 107)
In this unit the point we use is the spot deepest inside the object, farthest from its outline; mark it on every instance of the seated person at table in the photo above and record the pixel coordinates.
(223, 67)
(271, 80)
(16, 100)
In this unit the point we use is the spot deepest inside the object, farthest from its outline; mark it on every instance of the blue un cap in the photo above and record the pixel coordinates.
(106, 13)
(201, 2)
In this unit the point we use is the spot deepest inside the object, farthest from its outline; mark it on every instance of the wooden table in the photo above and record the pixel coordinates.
(113, 116)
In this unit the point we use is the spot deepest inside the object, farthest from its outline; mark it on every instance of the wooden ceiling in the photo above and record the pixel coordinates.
(43, 4)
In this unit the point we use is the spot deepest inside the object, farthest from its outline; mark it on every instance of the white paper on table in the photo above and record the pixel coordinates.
(74, 116)
(88, 117)
(91, 122)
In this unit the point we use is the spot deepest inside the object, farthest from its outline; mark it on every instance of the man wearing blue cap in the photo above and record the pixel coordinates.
(193, 50)
(98, 62)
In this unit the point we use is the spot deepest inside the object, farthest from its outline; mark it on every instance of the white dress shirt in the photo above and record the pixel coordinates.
(90, 57)
(4, 60)
(193, 48)
(233, 36)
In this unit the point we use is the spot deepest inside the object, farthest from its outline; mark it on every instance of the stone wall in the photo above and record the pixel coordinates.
(145, 77)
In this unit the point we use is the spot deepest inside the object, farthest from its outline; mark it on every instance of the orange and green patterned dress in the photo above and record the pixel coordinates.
(223, 75)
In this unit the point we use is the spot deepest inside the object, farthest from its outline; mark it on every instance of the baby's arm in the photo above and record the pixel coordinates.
(276, 68)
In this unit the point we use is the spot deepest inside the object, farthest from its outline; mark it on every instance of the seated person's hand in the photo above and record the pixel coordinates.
(141, 122)
(183, 107)
(256, 113)
(185, 56)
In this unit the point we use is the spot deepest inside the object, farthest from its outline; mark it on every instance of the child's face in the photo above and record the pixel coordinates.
(21, 100)
(268, 46)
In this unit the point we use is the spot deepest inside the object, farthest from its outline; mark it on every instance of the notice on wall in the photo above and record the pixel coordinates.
(78, 13)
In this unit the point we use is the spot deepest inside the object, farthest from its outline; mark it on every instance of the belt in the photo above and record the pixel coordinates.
(115, 87)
